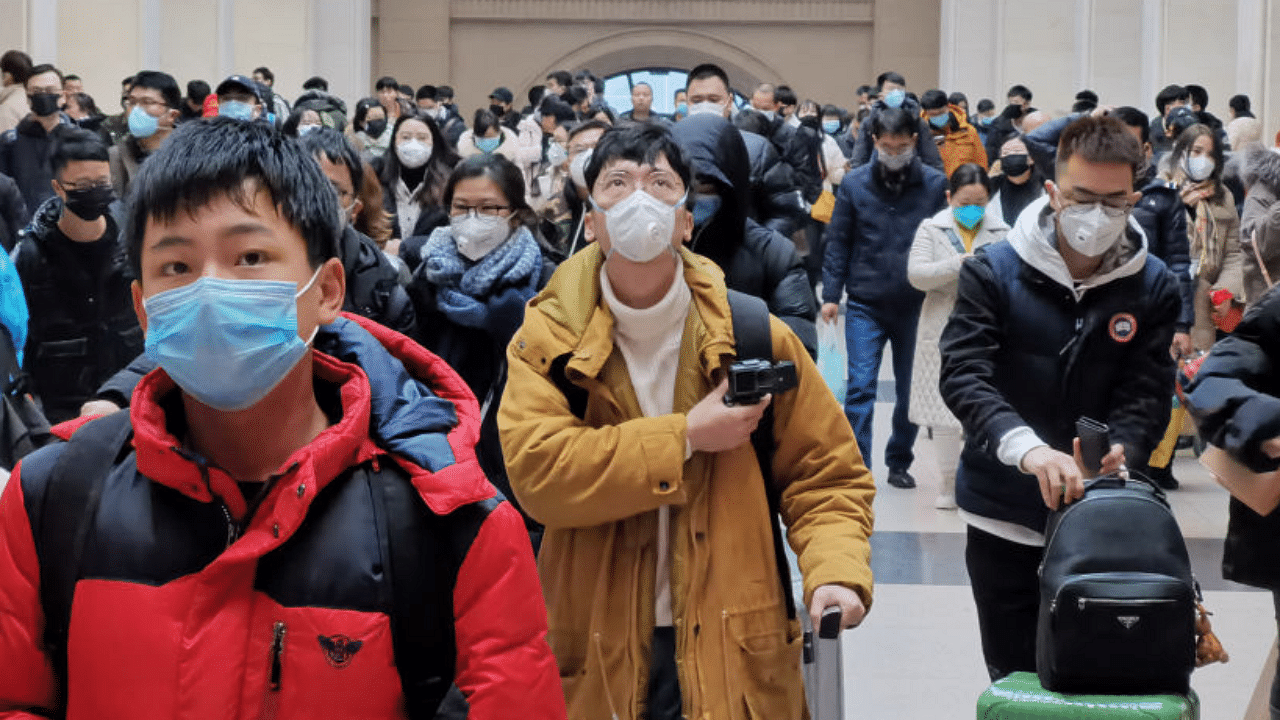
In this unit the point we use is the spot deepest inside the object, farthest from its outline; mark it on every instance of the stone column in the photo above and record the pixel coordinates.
(341, 51)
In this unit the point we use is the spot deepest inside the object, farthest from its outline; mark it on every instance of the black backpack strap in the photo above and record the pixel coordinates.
(753, 341)
(72, 495)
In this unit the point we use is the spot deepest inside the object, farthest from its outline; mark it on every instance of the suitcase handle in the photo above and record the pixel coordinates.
(1117, 482)
(829, 625)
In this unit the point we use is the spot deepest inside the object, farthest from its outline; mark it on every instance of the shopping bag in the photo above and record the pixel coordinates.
(831, 358)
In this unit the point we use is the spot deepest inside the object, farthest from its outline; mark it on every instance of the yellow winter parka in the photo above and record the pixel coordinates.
(596, 483)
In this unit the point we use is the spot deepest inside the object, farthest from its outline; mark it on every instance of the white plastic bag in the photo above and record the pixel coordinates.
(832, 361)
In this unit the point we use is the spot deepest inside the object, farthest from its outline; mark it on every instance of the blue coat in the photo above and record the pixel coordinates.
(870, 234)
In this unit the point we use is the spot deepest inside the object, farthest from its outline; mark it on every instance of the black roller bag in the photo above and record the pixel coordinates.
(1117, 598)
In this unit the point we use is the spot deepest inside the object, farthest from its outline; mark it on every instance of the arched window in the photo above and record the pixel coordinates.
(664, 81)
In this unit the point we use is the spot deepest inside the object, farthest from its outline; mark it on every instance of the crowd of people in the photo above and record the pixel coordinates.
(336, 331)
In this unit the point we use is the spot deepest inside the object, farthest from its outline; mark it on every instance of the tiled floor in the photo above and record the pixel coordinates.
(918, 655)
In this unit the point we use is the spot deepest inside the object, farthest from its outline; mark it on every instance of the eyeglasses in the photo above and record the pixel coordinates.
(78, 187)
(148, 104)
(459, 209)
(615, 185)
(47, 90)
(344, 196)
(1117, 204)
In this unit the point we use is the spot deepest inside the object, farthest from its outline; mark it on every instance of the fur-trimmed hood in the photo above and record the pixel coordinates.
(1262, 165)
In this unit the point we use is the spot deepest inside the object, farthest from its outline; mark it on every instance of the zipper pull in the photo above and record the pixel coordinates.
(233, 531)
(277, 657)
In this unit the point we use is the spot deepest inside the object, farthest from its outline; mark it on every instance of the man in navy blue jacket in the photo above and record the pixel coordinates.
(878, 208)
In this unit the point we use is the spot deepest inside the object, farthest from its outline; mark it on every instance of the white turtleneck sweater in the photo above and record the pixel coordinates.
(649, 340)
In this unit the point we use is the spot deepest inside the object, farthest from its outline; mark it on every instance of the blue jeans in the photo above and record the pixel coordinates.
(867, 329)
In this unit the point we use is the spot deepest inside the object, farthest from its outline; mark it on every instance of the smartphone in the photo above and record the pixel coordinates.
(1095, 443)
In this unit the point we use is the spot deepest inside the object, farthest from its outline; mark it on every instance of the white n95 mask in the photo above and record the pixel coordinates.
(640, 226)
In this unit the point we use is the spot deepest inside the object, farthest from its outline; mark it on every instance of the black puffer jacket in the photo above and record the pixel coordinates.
(1163, 218)
(1235, 399)
(775, 198)
(373, 288)
(756, 260)
(24, 156)
(926, 150)
(77, 339)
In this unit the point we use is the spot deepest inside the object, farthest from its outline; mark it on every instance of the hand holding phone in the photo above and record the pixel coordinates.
(1095, 443)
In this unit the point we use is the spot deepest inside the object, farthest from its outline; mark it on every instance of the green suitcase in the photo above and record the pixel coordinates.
(1021, 697)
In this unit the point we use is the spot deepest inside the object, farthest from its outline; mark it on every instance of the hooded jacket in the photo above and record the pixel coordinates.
(926, 149)
(1260, 222)
(775, 197)
(185, 604)
(960, 142)
(597, 483)
(1028, 347)
(13, 212)
(77, 340)
(755, 259)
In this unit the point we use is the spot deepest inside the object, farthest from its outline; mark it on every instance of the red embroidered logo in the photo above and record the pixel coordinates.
(1123, 327)
(339, 649)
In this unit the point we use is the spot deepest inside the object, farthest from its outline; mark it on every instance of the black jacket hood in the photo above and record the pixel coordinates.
(716, 152)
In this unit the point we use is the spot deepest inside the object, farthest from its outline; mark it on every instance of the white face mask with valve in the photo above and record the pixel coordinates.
(1092, 229)
(640, 226)
(478, 235)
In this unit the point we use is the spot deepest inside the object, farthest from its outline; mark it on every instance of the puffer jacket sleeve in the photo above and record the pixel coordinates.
(27, 685)
(567, 474)
(838, 239)
(1177, 255)
(926, 272)
(119, 387)
(786, 284)
(1142, 397)
(504, 661)
(1235, 396)
(826, 488)
(970, 343)
(1042, 143)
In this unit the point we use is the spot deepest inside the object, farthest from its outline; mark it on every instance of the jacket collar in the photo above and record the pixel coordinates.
(1034, 238)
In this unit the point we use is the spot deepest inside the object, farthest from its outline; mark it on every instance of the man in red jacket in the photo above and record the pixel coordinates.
(299, 526)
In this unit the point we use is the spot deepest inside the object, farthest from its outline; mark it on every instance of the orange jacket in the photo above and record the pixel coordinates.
(960, 142)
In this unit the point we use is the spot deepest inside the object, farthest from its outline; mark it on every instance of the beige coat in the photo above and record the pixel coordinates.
(1226, 271)
(934, 267)
(13, 106)
(597, 483)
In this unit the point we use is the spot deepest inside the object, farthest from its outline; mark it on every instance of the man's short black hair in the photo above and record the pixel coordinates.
(198, 90)
(1171, 93)
(575, 95)
(752, 121)
(43, 68)
(444, 93)
(956, 98)
(597, 84)
(71, 144)
(162, 82)
(224, 157)
(337, 149)
(266, 73)
(933, 99)
(642, 144)
(315, 82)
(553, 106)
(1199, 96)
(1086, 100)
(864, 90)
(17, 64)
(1021, 91)
(405, 90)
(535, 94)
(70, 77)
(785, 96)
(985, 105)
(386, 81)
(1134, 118)
(426, 92)
(709, 70)
(890, 77)
(894, 121)
(562, 78)
(1240, 105)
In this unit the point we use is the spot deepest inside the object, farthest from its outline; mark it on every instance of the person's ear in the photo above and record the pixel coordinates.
(684, 224)
(57, 189)
(1135, 196)
(173, 115)
(332, 281)
(947, 193)
(135, 290)
(589, 224)
(356, 209)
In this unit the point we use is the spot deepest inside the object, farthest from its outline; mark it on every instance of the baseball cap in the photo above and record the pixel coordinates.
(502, 95)
(240, 82)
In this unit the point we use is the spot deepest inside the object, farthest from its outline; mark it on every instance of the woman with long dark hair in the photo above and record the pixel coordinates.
(414, 172)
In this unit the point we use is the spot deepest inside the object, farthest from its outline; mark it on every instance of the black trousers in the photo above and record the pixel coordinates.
(664, 681)
(1006, 590)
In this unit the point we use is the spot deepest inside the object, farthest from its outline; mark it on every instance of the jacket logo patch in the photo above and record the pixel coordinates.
(1128, 621)
(339, 649)
(1123, 327)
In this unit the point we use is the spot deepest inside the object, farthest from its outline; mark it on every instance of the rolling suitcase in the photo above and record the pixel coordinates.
(1020, 696)
(823, 667)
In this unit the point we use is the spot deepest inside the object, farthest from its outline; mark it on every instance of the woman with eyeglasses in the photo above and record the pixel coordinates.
(472, 284)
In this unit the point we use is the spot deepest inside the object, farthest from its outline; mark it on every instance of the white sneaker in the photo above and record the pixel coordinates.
(945, 501)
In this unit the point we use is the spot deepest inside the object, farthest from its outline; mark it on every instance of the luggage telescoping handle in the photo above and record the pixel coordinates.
(828, 667)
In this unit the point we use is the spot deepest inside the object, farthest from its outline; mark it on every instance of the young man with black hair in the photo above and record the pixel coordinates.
(559, 82)
(451, 122)
(387, 90)
(1068, 317)
(267, 79)
(24, 150)
(154, 104)
(650, 489)
(193, 103)
(1169, 97)
(291, 520)
(893, 95)
(77, 339)
(879, 206)
(642, 107)
(242, 98)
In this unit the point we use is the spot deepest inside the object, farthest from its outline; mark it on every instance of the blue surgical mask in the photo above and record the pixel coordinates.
(304, 129)
(831, 127)
(705, 207)
(969, 216)
(142, 124)
(682, 109)
(488, 145)
(940, 121)
(235, 109)
(894, 98)
(226, 342)
(987, 120)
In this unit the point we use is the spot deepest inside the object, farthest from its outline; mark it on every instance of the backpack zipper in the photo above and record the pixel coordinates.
(1083, 603)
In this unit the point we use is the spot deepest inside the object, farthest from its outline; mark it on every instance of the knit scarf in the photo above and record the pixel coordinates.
(463, 288)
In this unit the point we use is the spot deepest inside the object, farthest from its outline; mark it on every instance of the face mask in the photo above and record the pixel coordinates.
(236, 109)
(556, 155)
(769, 114)
(986, 120)
(578, 168)
(90, 203)
(142, 124)
(831, 127)
(682, 109)
(497, 110)
(44, 104)
(969, 216)
(1092, 229)
(894, 98)
(1015, 165)
(413, 154)
(225, 342)
(640, 227)
(708, 108)
(375, 128)
(895, 163)
(1199, 168)
(940, 121)
(304, 129)
(488, 145)
(704, 208)
(478, 235)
